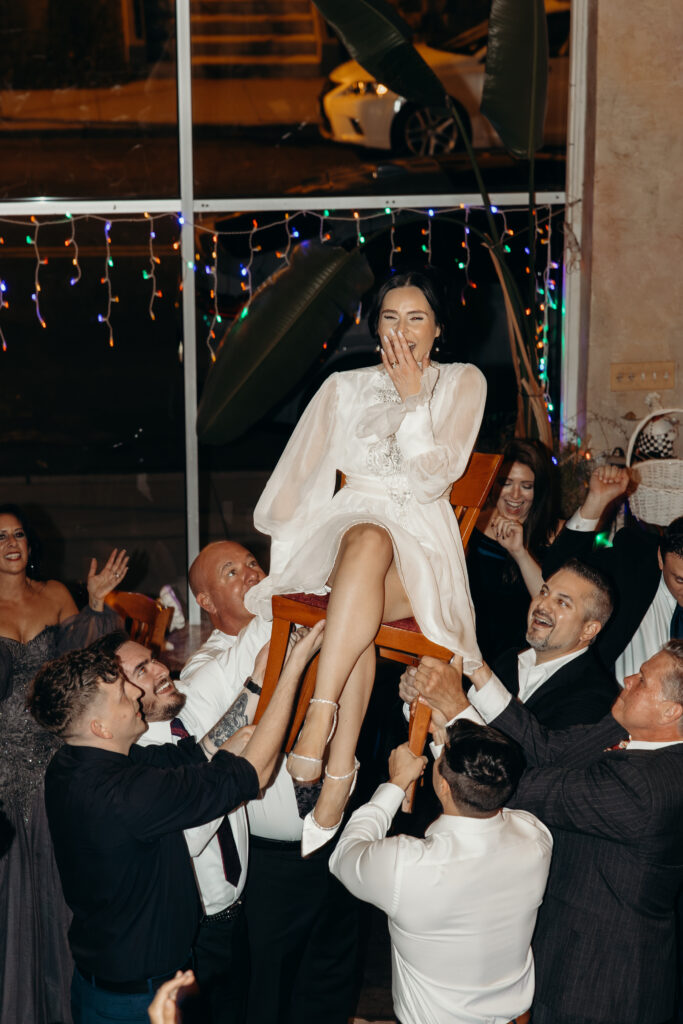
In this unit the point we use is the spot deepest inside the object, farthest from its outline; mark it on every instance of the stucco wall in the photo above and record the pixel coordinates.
(636, 306)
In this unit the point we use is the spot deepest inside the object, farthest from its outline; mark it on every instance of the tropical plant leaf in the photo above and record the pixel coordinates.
(278, 336)
(516, 81)
(378, 38)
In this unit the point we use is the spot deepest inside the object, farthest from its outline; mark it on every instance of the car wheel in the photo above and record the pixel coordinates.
(427, 131)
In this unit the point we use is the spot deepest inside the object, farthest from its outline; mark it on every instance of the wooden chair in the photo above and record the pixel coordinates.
(398, 641)
(146, 620)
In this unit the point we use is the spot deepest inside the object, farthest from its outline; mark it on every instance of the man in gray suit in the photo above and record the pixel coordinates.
(612, 795)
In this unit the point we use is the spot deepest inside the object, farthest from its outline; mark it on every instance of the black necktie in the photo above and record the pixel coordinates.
(226, 840)
(676, 629)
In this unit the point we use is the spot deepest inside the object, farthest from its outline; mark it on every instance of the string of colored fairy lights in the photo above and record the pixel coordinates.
(151, 275)
(74, 259)
(3, 305)
(105, 318)
(364, 222)
(33, 240)
(213, 295)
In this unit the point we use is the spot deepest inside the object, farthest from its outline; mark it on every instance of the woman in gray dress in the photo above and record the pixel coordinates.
(38, 621)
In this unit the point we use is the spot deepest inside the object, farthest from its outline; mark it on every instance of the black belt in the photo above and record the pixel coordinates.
(131, 987)
(285, 845)
(224, 915)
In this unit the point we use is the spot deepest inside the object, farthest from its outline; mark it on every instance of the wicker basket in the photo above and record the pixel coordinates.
(658, 497)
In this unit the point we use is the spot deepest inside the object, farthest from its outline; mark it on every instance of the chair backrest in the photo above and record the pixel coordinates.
(469, 493)
(146, 620)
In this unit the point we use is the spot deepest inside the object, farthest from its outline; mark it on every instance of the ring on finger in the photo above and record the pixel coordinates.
(394, 365)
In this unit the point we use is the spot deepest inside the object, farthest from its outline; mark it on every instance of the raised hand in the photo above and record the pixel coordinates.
(407, 690)
(163, 1008)
(309, 641)
(102, 583)
(509, 534)
(440, 683)
(405, 767)
(401, 365)
(606, 484)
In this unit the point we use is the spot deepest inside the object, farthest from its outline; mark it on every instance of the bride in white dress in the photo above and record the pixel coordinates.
(387, 545)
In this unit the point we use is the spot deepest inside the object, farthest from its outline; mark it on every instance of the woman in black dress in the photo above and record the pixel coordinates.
(507, 548)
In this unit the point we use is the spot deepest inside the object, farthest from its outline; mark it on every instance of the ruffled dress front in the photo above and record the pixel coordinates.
(400, 460)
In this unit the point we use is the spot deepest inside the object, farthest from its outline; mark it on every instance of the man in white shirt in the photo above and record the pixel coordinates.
(302, 924)
(461, 902)
(612, 793)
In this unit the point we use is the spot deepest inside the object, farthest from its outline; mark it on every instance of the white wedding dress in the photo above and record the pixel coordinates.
(399, 459)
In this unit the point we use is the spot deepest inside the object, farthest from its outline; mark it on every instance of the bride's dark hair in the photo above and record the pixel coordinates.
(412, 279)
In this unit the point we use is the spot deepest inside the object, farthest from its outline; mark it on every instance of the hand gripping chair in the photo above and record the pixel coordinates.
(146, 620)
(398, 641)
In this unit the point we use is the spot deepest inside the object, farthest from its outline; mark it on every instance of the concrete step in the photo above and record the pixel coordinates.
(252, 7)
(253, 46)
(242, 24)
(282, 66)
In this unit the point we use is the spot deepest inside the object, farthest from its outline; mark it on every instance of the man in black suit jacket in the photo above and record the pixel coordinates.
(612, 794)
(558, 676)
(646, 570)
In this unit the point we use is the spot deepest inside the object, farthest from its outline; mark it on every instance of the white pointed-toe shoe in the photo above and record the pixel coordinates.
(314, 835)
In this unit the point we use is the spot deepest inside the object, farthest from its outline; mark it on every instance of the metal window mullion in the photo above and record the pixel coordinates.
(575, 268)
(187, 242)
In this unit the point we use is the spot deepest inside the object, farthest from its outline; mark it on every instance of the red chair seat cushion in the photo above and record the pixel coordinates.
(321, 601)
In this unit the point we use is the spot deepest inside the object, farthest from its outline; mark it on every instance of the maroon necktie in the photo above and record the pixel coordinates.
(226, 840)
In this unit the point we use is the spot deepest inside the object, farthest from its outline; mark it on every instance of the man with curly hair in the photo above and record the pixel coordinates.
(117, 811)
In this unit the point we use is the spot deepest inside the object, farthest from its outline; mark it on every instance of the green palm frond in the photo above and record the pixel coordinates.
(278, 336)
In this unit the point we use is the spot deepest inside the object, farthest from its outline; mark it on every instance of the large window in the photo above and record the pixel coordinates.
(140, 138)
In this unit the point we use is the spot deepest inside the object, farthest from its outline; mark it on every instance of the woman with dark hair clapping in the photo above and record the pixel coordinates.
(38, 621)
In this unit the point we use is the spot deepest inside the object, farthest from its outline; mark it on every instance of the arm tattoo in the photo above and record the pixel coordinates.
(232, 720)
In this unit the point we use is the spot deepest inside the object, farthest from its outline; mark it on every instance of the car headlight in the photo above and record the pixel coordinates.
(366, 89)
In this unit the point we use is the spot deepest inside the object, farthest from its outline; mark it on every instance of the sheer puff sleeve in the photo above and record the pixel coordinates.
(303, 480)
(437, 435)
(79, 631)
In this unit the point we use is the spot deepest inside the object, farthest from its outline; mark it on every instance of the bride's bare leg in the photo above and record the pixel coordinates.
(365, 589)
(353, 703)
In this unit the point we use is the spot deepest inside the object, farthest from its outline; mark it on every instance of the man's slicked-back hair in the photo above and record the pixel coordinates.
(64, 688)
(481, 766)
(671, 542)
(601, 603)
(110, 644)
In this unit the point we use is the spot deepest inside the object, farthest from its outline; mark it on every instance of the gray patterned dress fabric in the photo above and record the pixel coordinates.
(35, 962)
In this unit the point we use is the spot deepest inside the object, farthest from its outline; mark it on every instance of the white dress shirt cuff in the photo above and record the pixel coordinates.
(491, 700)
(581, 525)
(388, 797)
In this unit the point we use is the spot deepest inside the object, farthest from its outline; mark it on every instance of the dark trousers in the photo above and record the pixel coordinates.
(303, 938)
(93, 1005)
(221, 966)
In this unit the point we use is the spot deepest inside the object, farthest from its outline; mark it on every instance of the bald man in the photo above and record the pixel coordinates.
(220, 576)
(302, 923)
